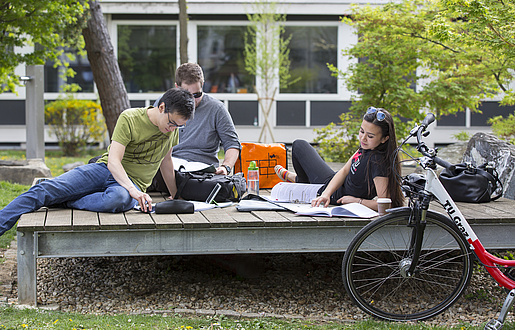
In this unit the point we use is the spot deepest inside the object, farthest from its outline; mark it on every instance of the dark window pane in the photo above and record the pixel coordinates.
(137, 103)
(325, 112)
(55, 79)
(147, 57)
(457, 119)
(220, 54)
(244, 112)
(490, 109)
(311, 48)
(291, 113)
(12, 112)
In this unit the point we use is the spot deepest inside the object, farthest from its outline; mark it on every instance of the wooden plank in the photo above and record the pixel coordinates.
(158, 197)
(299, 220)
(139, 220)
(505, 205)
(244, 219)
(58, 219)
(33, 221)
(85, 220)
(218, 218)
(166, 221)
(112, 221)
(358, 222)
(327, 221)
(194, 220)
(272, 218)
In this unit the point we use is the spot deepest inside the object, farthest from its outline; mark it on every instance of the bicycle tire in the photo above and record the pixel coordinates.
(375, 263)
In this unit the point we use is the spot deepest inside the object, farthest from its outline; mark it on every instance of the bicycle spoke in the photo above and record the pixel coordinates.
(376, 264)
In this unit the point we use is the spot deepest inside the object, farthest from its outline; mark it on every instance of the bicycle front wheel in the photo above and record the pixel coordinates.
(375, 268)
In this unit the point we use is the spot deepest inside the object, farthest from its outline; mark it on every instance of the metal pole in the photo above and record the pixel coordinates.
(35, 112)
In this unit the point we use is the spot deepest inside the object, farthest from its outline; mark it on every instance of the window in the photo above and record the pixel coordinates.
(55, 79)
(220, 54)
(311, 47)
(147, 57)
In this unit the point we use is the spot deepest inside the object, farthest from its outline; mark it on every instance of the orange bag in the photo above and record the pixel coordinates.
(266, 157)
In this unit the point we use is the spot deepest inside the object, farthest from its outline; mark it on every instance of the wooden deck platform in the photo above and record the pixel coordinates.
(73, 233)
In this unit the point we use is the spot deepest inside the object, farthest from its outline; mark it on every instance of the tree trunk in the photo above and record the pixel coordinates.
(106, 72)
(183, 31)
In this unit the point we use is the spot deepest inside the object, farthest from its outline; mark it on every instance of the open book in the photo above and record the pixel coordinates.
(353, 210)
(294, 192)
(183, 165)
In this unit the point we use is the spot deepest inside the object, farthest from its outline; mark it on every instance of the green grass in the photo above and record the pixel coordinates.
(53, 159)
(37, 319)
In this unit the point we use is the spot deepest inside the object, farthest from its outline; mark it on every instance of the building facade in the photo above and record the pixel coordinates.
(145, 36)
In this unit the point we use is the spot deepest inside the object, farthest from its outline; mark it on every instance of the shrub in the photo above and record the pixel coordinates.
(74, 123)
(504, 128)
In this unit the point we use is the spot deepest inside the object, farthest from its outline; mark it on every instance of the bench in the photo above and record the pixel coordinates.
(54, 233)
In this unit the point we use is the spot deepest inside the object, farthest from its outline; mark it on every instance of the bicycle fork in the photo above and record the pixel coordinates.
(418, 222)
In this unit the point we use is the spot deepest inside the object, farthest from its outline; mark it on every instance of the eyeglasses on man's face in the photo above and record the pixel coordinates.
(197, 94)
(172, 123)
(380, 115)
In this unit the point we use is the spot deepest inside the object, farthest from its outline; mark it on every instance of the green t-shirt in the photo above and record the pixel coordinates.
(145, 145)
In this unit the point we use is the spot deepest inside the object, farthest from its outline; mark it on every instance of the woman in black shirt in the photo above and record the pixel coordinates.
(367, 174)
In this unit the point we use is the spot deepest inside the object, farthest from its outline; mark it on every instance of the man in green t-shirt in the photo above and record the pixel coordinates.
(142, 143)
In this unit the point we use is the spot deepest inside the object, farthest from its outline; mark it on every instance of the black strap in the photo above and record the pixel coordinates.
(492, 178)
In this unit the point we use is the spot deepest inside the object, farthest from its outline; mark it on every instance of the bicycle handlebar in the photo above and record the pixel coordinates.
(444, 164)
(421, 146)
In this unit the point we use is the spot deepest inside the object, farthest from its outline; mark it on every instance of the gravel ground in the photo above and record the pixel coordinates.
(286, 285)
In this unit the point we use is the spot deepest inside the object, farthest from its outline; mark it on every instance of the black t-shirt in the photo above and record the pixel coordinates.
(366, 164)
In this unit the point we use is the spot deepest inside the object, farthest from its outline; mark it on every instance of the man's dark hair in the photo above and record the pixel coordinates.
(189, 73)
(179, 101)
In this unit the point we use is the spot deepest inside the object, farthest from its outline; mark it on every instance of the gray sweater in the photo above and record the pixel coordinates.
(200, 140)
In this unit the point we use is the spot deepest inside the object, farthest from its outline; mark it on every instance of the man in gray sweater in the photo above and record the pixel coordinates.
(211, 126)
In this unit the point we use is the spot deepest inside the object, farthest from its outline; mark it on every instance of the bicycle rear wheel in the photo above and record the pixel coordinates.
(375, 264)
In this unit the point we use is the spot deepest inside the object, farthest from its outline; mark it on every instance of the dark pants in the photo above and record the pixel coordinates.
(308, 164)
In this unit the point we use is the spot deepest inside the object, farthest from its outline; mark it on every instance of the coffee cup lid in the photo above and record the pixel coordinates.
(384, 200)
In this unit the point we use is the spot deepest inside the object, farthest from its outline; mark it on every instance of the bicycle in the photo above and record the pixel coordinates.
(414, 263)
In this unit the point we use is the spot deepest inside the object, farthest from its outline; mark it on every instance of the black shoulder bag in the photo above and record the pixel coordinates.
(468, 183)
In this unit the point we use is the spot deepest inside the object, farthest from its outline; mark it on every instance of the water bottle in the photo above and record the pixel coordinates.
(253, 179)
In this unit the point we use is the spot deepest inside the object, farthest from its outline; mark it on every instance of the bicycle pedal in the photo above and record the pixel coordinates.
(493, 325)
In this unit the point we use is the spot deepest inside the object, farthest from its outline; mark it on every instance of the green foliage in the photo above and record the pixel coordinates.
(504, 127)
(400, 64)
(461, 136)
(75, 123)
(485, 24)
(50, 26)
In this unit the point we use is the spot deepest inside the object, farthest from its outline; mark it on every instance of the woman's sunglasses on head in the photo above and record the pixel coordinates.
(380, 115)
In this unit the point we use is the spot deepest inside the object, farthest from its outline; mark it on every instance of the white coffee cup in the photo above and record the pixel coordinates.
(383, 204)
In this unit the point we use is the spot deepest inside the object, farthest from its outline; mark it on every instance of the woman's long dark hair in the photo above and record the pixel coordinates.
(391, 159)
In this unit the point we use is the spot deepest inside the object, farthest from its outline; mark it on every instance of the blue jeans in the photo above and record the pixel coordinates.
(89, 187)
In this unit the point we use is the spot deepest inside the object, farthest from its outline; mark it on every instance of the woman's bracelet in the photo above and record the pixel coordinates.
(360, 200)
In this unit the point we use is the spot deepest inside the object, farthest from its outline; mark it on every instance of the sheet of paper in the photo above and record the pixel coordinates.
(191, 166)
(294, 192)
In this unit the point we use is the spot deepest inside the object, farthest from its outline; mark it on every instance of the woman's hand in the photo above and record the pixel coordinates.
(144, 199)
(348, 199)
(320, 200)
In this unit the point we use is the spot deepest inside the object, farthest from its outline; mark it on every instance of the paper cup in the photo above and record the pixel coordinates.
(383, 204)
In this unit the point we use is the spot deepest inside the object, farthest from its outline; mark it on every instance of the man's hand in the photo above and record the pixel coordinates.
(144, 199)
(222, 170)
